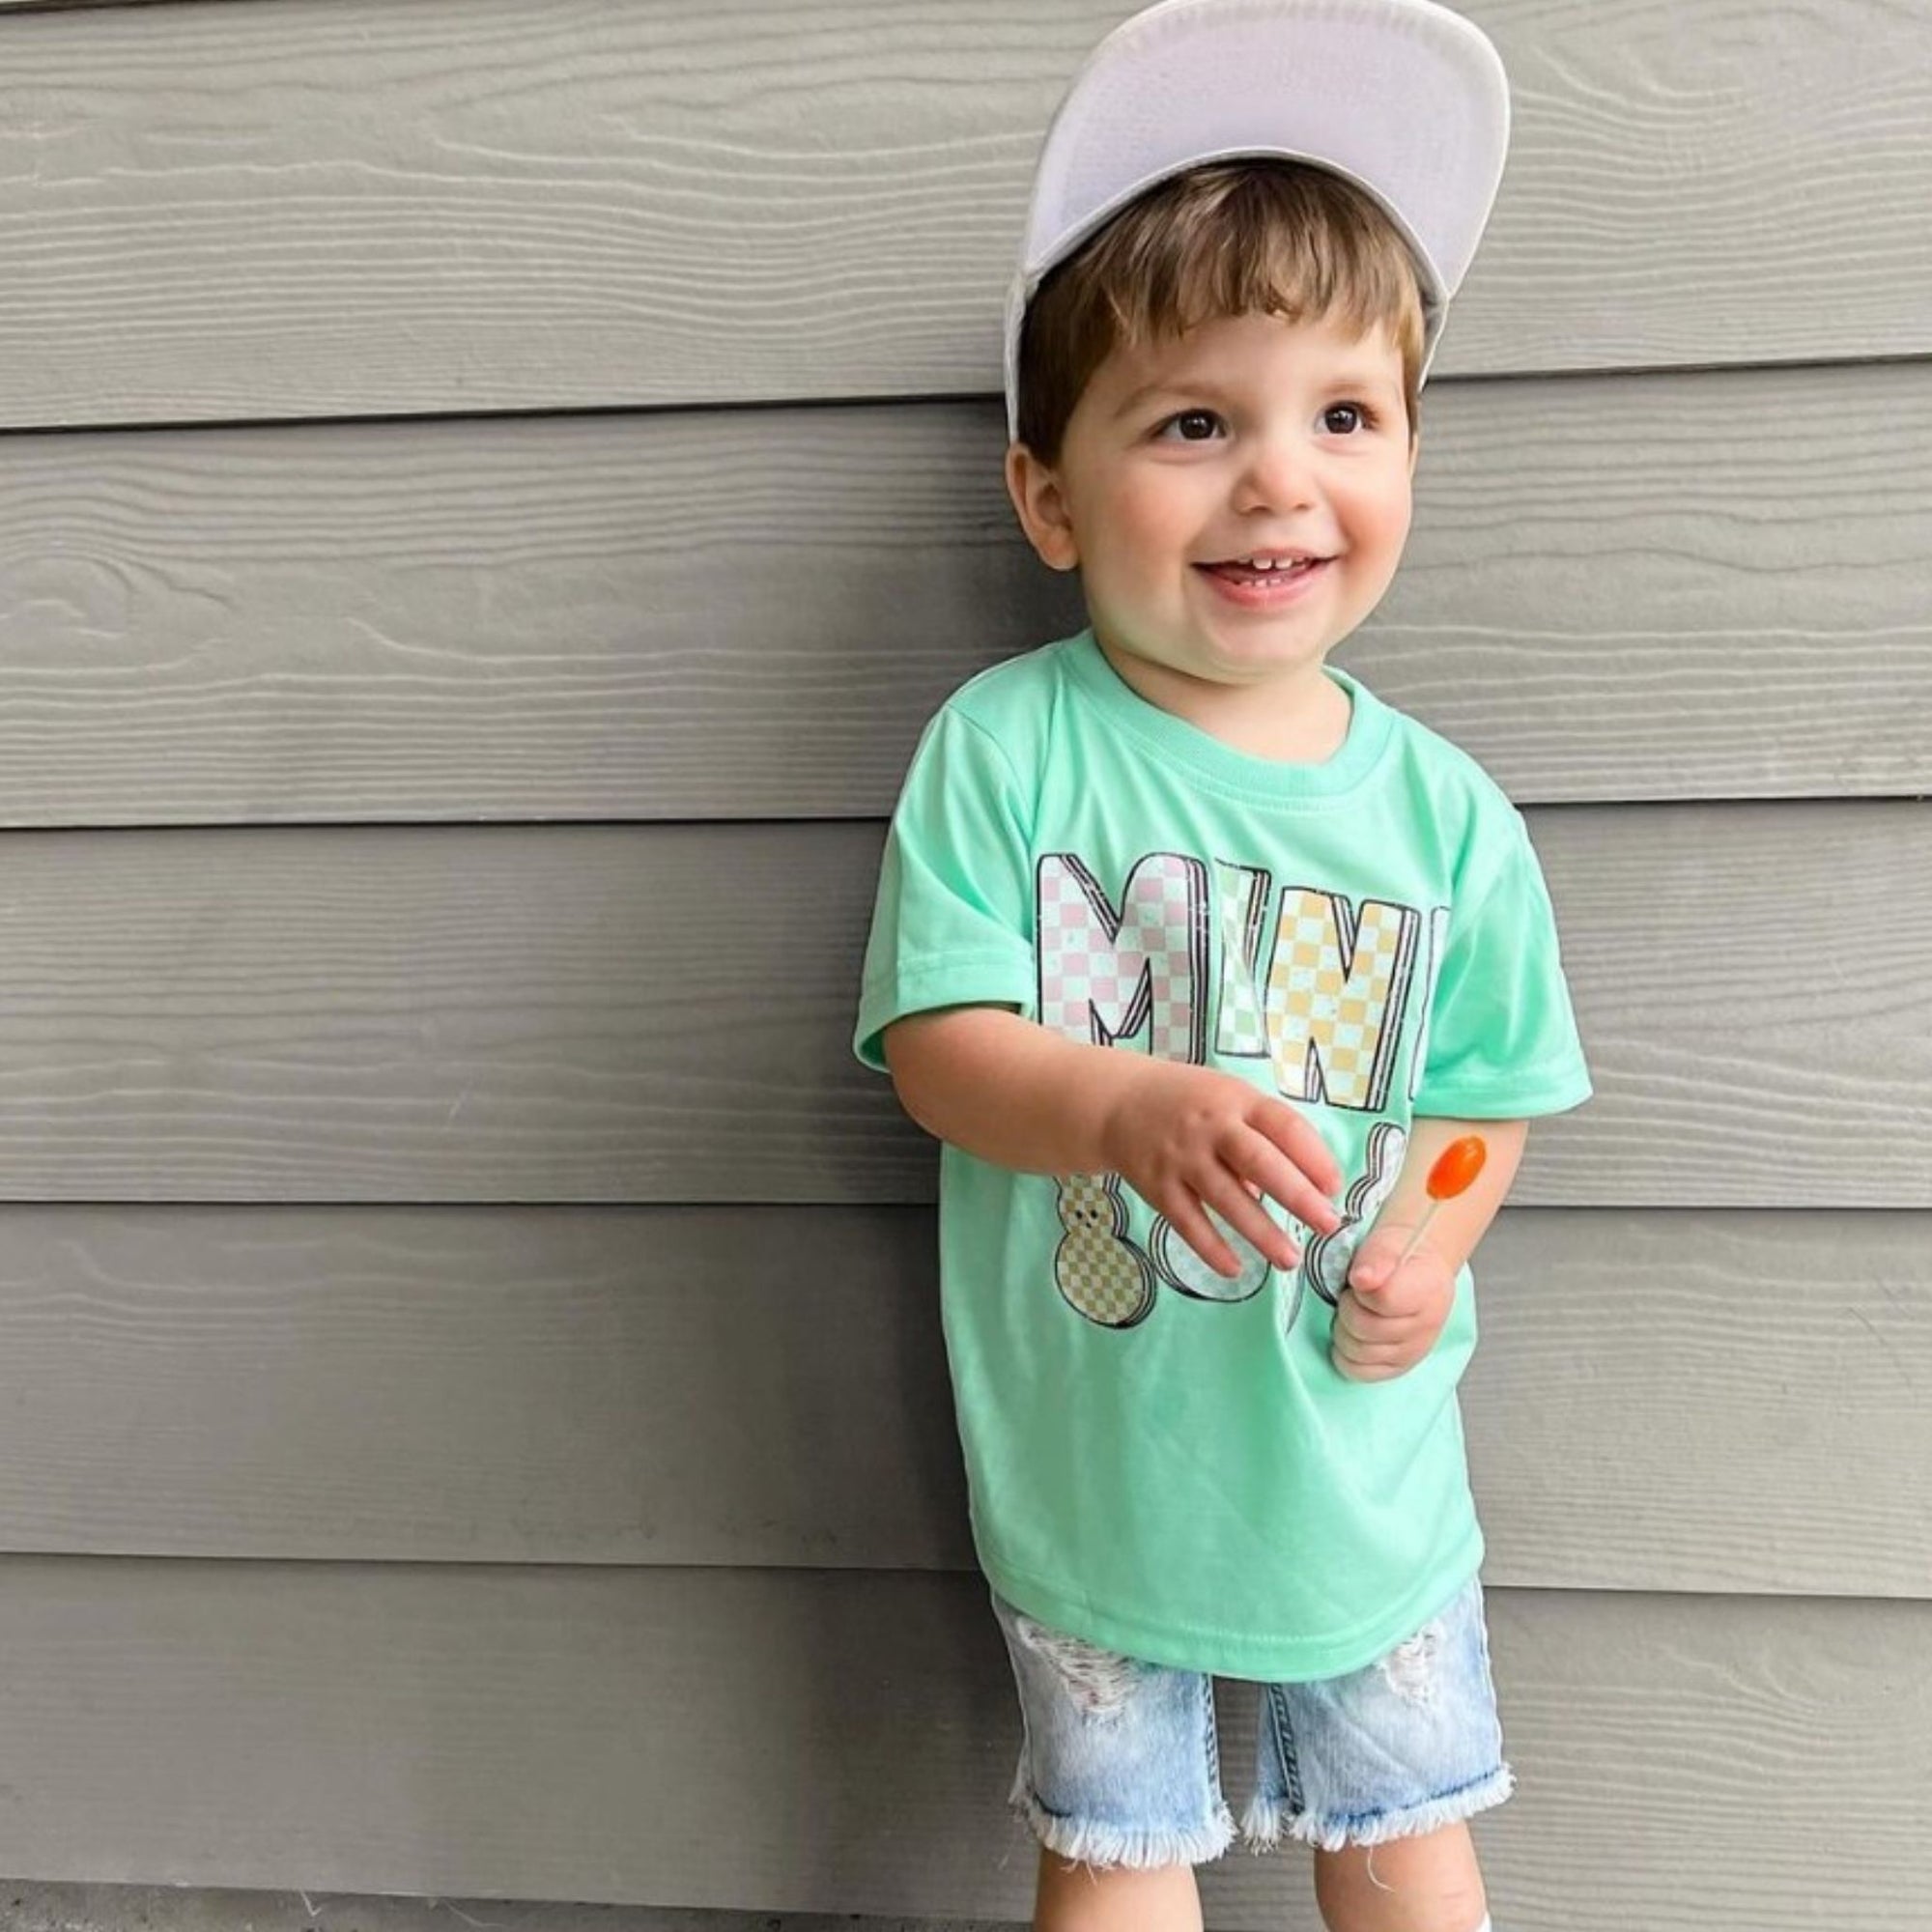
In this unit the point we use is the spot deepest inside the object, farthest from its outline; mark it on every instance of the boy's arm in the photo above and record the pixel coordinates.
(1006, 1089)
(1387, 1319)
(1185, 1138)
(1463, 1220)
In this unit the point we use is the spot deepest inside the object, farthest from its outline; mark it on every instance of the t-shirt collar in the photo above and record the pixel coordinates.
(1208, 757)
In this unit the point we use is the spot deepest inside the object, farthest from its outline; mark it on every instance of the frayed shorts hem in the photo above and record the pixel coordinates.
(1119, 1764)
(1264, 1825)
(1267, 1821)
(1109, 1845)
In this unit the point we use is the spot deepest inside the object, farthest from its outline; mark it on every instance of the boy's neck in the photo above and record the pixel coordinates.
(1300, 720)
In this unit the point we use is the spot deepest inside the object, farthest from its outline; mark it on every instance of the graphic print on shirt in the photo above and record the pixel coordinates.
(1333, 1027)
(1242, 893)
(1107, 975)
(1099, 1271)
(1325, 1261)
(1241, 900)
(1338, 986)
(1180, 1268)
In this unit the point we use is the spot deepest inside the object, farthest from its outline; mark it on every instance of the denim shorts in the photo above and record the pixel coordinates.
(1120, 1763)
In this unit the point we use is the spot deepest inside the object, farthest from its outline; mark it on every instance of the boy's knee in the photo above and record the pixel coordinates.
(1074, 1897)
(1428, 1883)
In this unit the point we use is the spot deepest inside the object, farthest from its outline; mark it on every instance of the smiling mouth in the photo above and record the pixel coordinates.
(1285, 569)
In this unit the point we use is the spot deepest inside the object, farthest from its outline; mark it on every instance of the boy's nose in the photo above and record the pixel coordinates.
(1277, 475)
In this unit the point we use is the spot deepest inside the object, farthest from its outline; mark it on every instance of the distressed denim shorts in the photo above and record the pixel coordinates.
(1121, 1762)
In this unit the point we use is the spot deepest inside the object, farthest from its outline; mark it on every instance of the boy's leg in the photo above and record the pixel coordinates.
(1410, 1747)
(1427, 1884)
(1118, 1778)
(1431, 1882)
(1086, 1898)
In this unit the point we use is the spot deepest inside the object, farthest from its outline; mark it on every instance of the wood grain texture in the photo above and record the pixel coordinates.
(835, 1741)
(333, 207)
(579, 1013)
(1627, 588)
(763, 1684)
(1660, 1402)
(120, 1908)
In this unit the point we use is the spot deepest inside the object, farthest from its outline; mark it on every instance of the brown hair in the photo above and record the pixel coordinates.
(1226, 239)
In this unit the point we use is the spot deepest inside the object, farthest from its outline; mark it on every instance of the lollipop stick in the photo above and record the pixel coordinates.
(1454, 1168)
(1421, 1229)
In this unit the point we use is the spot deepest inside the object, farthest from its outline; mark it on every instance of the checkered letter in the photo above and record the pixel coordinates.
(1108, 973)
(1333, 1025)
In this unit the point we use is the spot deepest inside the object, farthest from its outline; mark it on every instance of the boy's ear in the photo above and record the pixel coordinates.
(1042, 506)
(1414, 445)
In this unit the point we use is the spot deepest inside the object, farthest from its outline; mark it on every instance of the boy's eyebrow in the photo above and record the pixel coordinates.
(1164, 386)
(1207, 391)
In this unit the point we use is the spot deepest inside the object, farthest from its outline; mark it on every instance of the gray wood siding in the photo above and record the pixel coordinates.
(1618, 588)
(664, 1013)
(358, 207)
(38, 1906)
(766, 1388)
(526, 1731)
(472, 1416)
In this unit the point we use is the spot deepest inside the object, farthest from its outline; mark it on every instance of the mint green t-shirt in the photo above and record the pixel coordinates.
(1160, 1460)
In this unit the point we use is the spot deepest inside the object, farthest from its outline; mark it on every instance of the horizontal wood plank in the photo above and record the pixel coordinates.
(767, 1388)
(581, 1013)
(141, 1908)
(1621, 588)
(828, 1740)
(333, 207)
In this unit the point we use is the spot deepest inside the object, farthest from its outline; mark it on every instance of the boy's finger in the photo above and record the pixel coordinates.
(1237, 1203)
(1367, 1335)
(1371, 1269)
(1370, 1329)
(1371, 1276)
(1370, 1372)
(1357, 1348)
(1395, 1301)
(1198, 1231)
(1377, 1261)
(1273, 1173)
(1299, 1139)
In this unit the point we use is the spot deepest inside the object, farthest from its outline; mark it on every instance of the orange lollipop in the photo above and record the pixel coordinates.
(1451, 1174)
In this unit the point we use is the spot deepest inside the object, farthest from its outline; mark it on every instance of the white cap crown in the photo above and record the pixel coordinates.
(1403, 98)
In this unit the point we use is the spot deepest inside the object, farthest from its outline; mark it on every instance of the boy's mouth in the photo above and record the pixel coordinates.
(1266, 567)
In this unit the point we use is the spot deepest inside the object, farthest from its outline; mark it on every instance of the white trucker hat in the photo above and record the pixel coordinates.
(1403, 98)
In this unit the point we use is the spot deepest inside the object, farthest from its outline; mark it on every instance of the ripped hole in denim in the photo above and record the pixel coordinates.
(1098, 1681)
(1409, 1666)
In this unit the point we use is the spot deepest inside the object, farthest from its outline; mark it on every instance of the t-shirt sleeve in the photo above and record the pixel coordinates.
(1502, 1038)
(953, 923)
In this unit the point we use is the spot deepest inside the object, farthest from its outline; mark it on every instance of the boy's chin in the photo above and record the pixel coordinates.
(1230, 671)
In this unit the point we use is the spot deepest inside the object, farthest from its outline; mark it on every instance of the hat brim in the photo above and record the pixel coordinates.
(1403, 98)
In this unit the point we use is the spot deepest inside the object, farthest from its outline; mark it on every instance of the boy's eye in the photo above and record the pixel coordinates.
(1345, 418)
(1189, 426)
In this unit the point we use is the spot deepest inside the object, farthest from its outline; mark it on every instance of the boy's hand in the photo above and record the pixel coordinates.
(1387, 1319)
(1185, 1138)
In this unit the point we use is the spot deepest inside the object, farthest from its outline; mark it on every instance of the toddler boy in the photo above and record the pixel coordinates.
(1194, 956)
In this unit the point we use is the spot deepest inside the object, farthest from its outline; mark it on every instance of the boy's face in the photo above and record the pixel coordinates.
(1185, 462)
